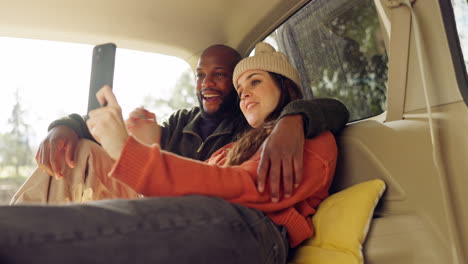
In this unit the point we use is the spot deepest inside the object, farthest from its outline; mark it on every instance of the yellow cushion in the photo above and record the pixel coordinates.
(341, 224)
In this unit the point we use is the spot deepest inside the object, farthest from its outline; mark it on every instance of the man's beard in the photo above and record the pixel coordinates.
(229, 106)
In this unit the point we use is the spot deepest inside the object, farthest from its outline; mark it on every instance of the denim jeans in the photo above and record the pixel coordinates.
(188, 229)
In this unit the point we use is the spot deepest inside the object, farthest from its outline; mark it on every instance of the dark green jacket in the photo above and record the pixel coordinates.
(181, 134)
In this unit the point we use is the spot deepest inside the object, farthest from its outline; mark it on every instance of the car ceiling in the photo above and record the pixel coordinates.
(180, 28)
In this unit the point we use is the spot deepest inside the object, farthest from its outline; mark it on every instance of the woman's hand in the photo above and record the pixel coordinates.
(142, 125)
(106, 123)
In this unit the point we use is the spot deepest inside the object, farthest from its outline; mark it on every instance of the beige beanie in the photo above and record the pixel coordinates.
(266, 58)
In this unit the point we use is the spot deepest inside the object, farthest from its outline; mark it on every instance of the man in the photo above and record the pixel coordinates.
(198, 132)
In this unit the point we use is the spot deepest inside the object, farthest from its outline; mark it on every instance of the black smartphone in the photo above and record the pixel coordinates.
(102, 71)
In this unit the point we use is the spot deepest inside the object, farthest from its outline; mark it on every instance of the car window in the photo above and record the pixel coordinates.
(460, 9)
(456, 27)
(339, 50)
(42, 81)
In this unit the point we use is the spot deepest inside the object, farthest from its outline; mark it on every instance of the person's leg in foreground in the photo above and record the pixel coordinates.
(187, 229)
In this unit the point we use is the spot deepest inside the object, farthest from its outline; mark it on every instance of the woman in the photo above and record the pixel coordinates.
(265, 83)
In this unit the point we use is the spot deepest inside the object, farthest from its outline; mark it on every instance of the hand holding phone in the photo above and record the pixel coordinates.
(102, 71)
(106, 124)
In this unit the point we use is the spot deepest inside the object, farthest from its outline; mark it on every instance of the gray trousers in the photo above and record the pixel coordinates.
(188, 229)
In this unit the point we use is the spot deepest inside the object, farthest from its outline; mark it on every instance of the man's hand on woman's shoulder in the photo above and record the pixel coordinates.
(281, 157)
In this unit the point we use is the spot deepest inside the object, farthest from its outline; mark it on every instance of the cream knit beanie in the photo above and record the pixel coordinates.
(266, 58)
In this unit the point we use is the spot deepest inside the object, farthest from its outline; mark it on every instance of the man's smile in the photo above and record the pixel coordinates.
(212, 96)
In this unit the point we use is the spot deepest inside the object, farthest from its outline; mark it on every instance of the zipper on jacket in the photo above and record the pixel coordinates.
(208, 138)
(195, 134)
(201, 147)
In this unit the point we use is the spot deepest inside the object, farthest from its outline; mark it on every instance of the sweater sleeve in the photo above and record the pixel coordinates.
(319, 115)
(153, 172)
(75, 122)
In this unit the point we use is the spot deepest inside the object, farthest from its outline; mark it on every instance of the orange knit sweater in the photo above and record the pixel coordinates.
(154, 172)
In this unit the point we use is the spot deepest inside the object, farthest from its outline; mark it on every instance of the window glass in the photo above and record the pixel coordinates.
(338, 48)
(44, 80)
(460, 10)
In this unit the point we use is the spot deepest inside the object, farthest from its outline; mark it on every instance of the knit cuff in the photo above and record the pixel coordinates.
(313, 120)
(132, 163)
(319, 115)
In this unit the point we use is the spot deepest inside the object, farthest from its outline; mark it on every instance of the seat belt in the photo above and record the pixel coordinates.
(398, 59)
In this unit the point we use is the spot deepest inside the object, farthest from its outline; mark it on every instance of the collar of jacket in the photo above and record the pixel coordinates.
(227, 125)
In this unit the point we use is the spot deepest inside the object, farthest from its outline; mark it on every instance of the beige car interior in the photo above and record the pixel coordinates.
(418, 146)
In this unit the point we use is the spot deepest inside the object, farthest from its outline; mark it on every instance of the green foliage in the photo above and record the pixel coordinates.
(363, 70)
(15, 150)
(340, 53)
(362, 90)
